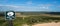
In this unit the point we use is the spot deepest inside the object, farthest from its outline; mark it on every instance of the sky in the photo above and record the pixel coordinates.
(30, 5)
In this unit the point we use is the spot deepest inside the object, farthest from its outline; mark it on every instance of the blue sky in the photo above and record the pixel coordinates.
(30, 5)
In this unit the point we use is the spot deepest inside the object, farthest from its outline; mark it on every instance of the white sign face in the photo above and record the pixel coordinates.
(10, 13)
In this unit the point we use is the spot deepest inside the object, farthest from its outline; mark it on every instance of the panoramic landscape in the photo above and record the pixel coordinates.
(33, 19)
(29, 12)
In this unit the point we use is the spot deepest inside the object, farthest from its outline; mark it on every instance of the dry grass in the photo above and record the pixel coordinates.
(48, 24)
(48, 15)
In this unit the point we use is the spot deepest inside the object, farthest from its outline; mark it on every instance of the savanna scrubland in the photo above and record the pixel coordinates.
(30, 19)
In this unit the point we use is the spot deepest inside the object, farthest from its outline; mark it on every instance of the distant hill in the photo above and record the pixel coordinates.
(33, 13)
(37, 13)
(2, 13)
(54, 13)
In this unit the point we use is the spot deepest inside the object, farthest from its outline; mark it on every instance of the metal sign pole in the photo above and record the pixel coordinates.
(10, 22)
(10, 15)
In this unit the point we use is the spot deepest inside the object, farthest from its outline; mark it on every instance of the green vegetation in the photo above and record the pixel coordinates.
(29, 20)
(41, 19)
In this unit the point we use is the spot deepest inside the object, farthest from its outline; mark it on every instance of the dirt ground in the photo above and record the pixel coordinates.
(48, 24)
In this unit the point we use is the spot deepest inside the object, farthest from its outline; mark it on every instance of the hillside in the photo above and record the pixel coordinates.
(30, 18)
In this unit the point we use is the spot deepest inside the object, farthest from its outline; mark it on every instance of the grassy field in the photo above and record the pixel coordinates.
(19, 21)
(31, 20)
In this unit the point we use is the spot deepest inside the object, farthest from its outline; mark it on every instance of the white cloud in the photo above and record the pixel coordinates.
(25, 8)
(43, 6)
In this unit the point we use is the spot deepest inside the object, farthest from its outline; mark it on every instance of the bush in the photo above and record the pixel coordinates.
(40, 19)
